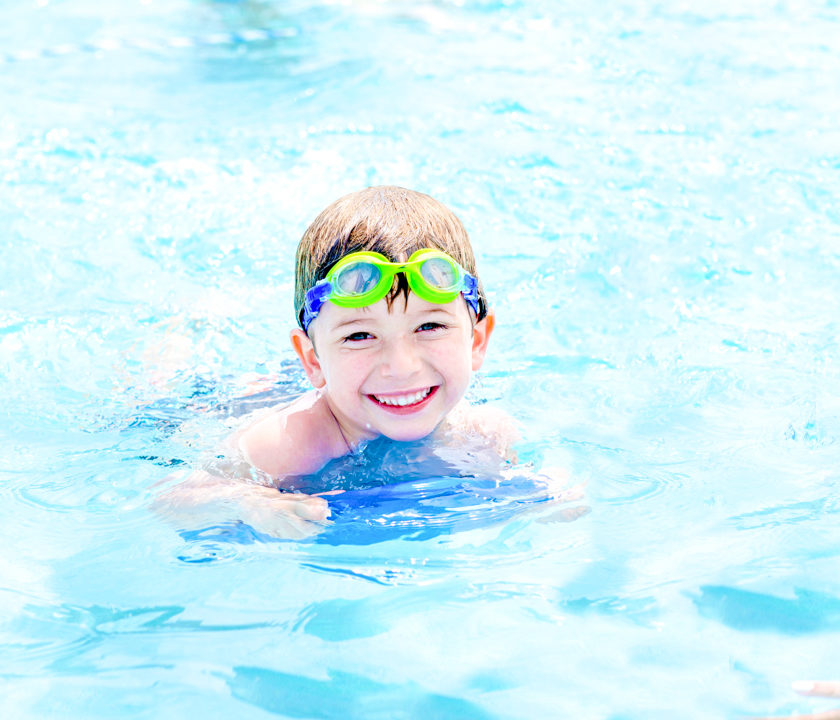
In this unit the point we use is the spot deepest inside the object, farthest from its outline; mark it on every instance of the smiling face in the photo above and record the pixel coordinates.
(394, 371)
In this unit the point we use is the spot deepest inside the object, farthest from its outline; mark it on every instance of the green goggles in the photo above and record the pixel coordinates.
(363, 278)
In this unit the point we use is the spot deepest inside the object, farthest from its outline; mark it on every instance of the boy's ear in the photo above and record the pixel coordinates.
(305, 351)
(481, 336)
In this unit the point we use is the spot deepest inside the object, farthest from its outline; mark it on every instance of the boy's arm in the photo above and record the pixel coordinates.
(501, 430)
(283, 442)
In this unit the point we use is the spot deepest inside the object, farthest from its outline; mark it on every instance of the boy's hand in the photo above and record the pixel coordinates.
(560, 491)
(283, 515)
(203, 498)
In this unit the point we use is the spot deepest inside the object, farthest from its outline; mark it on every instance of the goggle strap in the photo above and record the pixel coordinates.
(470, 293)
(315, 298)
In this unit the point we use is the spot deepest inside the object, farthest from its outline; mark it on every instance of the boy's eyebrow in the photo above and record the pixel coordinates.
(440, 309)
(354, 319)
(351, 321)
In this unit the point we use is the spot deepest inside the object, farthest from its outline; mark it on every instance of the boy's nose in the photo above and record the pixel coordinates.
(399, 359)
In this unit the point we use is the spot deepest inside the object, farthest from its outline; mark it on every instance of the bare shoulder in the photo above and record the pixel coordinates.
(489, 421)
(288, 440)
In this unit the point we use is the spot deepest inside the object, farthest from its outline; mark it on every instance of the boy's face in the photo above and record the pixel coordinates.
(395, 372)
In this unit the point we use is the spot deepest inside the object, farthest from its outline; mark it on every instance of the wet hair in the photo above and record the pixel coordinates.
(389, 220)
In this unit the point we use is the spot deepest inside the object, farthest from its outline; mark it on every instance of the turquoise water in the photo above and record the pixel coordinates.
(652, 191)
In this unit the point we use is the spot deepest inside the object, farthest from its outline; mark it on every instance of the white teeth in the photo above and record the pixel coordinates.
(400, 400)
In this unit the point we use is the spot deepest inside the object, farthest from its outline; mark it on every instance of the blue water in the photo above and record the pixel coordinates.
(652, 190)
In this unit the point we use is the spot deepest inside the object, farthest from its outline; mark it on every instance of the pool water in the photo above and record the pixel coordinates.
(652, 190)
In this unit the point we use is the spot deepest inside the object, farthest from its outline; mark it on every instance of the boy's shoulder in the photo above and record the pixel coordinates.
(292, 439)
(488, 421)
(301, 437)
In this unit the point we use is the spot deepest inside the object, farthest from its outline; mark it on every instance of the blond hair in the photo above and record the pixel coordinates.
(389, 220)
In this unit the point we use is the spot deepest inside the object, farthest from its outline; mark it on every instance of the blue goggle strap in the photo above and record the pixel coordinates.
(315, 298)
(470, 293)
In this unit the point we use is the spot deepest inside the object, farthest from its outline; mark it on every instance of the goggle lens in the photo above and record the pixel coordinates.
(440, 273)
(357, 278)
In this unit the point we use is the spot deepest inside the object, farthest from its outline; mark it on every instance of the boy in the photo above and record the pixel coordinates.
(393, 321)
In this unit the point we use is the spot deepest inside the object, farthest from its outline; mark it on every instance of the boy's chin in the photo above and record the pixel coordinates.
(409, 434)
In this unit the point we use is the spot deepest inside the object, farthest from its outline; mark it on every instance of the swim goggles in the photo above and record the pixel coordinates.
(363, 278)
